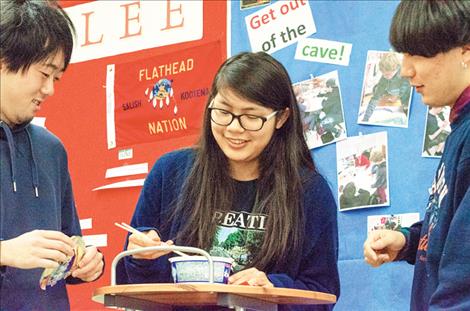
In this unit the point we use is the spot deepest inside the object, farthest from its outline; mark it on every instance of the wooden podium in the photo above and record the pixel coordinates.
(240, 297)
(165, 296)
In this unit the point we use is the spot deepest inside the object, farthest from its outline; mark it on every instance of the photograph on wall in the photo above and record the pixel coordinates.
(386, 96)
(362, 168)
(321, 109)
(245, 4)
(391, 222)
(436, 131)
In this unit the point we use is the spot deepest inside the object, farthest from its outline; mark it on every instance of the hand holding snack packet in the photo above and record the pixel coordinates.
(51, 276)
(91, 266)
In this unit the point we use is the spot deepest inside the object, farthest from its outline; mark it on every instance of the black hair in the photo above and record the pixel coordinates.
(32, 31)
(429, 27)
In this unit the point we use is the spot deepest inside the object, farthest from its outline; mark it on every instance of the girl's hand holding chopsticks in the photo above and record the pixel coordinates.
(145, 239)
(140, 239)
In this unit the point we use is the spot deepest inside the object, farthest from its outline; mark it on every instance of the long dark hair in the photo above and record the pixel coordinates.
(260, 78)
(430, 27)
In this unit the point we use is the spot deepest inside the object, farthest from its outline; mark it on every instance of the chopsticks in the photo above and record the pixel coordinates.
(128, 228)
(131, 229)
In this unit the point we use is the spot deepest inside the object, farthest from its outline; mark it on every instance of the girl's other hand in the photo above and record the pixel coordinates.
(251, 276)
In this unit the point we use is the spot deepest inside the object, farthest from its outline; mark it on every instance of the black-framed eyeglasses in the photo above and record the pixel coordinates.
(248, 122)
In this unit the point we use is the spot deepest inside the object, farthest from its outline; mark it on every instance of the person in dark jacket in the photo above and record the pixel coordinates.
(249, 190)
(435, 39)
(37, 210)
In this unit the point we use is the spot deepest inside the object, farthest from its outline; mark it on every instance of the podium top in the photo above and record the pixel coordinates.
(207, 294)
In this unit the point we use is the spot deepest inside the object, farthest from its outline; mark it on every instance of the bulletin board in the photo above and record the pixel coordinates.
(145, 41)
(364, 25)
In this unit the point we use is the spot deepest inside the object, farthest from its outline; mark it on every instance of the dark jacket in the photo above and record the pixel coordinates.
(33, 161)
(314, 268)
(439, 246)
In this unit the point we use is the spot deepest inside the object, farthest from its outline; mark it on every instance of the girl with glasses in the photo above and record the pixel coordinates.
(249, 190)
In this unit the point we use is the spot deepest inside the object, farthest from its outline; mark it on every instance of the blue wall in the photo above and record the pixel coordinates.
(365, 24)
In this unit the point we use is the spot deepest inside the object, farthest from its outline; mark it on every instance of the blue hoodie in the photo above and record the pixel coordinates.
(35, 193)
(439, 246)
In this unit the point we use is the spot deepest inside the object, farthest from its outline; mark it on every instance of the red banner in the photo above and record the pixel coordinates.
(163, 97)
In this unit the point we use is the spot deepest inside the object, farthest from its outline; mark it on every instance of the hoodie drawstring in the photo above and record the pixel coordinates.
(11, 146)
(35, 166)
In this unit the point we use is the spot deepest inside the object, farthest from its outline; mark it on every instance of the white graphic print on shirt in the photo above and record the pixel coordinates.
(238, 235)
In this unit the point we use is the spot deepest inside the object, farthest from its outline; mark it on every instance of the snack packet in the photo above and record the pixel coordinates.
(50, 276)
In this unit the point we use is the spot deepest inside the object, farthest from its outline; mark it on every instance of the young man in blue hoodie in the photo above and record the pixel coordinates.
(37, 210)
(435, 39)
